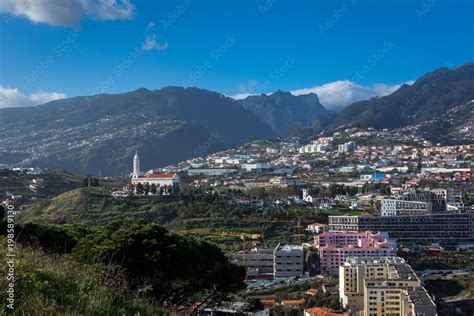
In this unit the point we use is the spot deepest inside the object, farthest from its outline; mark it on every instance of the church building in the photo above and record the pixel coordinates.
(158, 179)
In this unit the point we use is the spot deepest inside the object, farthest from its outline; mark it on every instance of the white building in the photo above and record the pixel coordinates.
(315, 148)
(393, 207)
(307, 197)
(158, 179)
(346, 147)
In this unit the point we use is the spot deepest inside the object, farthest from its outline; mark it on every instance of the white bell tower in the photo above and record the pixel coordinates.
(136, 166)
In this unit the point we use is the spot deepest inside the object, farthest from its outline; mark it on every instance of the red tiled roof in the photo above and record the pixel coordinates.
(293, 302)
(322, 311)
(312, 291)
(158, 176)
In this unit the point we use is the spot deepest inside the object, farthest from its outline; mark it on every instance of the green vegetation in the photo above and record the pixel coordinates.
(455, 287)
(94, 206)
(52, 284)
(55, 182)
(446, 260)
(111, 270)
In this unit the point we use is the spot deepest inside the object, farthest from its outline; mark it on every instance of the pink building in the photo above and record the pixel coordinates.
(335, 247)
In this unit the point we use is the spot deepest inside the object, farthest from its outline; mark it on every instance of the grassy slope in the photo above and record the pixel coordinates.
(57, 285)
(93, 206)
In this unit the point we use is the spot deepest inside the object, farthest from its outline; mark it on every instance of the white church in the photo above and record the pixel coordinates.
(158, 179)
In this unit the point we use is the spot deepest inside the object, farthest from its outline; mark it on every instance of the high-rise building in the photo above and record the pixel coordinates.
(383, 286)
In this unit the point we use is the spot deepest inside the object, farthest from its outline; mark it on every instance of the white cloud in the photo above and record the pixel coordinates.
(151, 26)
(68, 12)
(11, 97)
(339, 94)
(150, 43)
(240, 96)
(334, 95)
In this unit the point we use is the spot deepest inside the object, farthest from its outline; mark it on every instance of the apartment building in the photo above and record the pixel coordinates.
(416, 202)
(280, 261)
(346, 147)
(439, 227)
(437, 197)
(335, 247)
(259, 262)
(383, 286)
(289, 261)
(393, 207)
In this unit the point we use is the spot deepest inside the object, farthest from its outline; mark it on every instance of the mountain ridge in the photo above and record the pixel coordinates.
(283, 111)
(432, 94)
(99, 134)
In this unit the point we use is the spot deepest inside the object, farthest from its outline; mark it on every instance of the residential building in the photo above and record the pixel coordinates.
(282, 261)
(383, 286)
(317, 228)
(289, 261)
(315, 148)
(439, 227)
(259, 262)
(335, 247)
(346, 147)
(394, 207)
(437, 197)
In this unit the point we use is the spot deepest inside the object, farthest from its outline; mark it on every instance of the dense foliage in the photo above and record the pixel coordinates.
(176, 268)
(138, 257)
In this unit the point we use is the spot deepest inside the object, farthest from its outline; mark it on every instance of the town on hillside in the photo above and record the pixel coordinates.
(376, 220)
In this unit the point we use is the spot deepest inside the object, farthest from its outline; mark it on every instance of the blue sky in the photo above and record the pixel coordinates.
(344, 50)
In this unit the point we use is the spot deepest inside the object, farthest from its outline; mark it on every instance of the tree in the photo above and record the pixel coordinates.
(465, 198)
(85, 182)
(153, 189)
(94, 182)
(90, 182)
(139, 189)
(178, 269)
(146, 189)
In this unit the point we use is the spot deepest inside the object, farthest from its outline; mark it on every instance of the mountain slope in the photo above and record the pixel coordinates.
(430, 96)
(283, 111)
(99, 134)
(455, 127)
